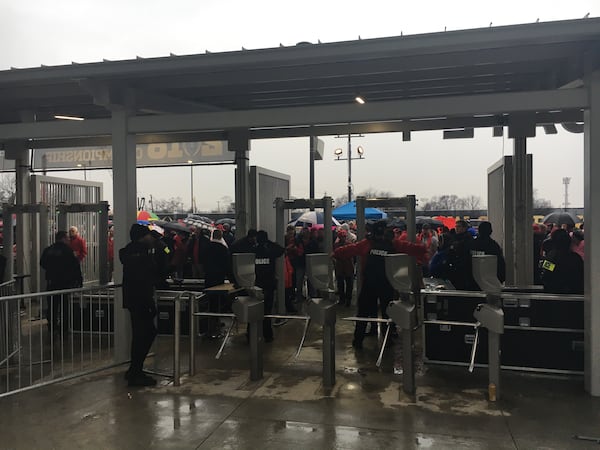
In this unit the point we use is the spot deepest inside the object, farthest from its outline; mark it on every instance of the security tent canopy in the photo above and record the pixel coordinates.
(348, 212)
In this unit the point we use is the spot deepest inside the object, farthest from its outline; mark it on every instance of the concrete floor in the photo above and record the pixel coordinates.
(288, 409)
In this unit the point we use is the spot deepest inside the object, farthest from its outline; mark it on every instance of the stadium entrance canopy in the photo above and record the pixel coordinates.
(515, 78)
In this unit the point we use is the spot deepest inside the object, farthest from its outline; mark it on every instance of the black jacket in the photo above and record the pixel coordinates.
(562, 273)
(242, 245)
(460, 272)
(62, 267)
(217, 264)
(140, 275)
(487, 246)
(264, 262)
(375, 263)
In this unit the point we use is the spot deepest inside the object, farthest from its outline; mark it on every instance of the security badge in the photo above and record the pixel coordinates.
(548, 265)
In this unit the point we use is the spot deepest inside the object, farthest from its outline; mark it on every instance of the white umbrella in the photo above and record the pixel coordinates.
(310, 218)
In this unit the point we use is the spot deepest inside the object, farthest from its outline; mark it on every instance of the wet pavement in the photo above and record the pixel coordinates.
(220, 408)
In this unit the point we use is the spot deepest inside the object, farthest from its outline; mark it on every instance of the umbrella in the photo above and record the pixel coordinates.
(397, 223)
(146, 216)
(422, 220)
(225, 220)
(172, 226)
(157, 228)
(449, 222)
(310, 218)
(561, 218)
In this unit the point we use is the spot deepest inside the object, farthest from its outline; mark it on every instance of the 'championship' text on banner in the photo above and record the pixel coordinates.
(147, 155)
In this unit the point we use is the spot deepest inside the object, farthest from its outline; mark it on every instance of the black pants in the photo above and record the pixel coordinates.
(57, 310)
(370, 293)
(344, 286)
(269, 299)
(143, 333)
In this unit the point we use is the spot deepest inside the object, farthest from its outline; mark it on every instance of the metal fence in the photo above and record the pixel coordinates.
(9, 329)
(54, 191)
(53, 336)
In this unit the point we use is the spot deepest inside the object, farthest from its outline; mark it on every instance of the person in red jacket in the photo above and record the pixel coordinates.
(111, 251)
(77, 244)
(375, 285)
(344, 271)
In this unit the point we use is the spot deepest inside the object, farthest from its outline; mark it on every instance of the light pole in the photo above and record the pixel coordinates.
(566, 181)
(191, 186)
(338, 153)
(84, 172)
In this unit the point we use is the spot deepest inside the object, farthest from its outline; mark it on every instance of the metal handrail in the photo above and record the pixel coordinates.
(192, 296)
(47, 354)
(503, 295)
(59, 292)
(385, 337)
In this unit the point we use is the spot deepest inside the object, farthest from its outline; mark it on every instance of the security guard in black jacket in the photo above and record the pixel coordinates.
(562, 269)
(266, 253)
(62, 271)
(140, 276)
(376, 286)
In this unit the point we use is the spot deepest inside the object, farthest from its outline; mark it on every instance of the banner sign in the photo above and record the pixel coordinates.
(147, 155)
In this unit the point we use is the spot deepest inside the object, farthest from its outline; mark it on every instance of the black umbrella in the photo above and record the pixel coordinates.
(173, 226)
(397, 223)
(422, 220)
(561, 218)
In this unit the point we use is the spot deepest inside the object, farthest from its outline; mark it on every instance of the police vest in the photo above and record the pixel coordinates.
(375, 265)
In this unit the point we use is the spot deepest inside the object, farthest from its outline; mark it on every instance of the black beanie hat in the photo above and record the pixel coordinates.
(137, 231)
(379, 228)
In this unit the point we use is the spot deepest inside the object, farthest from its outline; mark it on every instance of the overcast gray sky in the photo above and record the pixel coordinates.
(34, 32)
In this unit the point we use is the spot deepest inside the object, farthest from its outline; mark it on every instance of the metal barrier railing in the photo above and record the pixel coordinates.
(177, 297)
(54, 335)
(9, 332)
(376, 320)
(193, 298)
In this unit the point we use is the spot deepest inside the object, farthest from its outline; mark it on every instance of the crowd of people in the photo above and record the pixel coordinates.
(151, 258)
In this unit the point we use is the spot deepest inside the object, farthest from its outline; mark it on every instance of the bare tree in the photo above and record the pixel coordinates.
(374, 193)
(540, 202)
(8, 188)
(472, 202)
(167, 205)
(368, 193)
(451, 202)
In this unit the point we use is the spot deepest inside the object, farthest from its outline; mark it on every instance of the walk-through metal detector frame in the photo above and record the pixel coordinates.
(280, 205)
(101, 208)
(409, 202)
(39, 230)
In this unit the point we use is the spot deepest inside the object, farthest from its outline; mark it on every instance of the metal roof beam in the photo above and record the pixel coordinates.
(541, 119)
(56, 129)
(450, 106)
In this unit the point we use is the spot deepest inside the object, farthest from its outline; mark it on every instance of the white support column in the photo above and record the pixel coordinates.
(592, 245)
(124, 215)
(239, 142)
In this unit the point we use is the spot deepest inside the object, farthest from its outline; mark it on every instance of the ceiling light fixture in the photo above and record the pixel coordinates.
(68, 117)
(359, 99)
